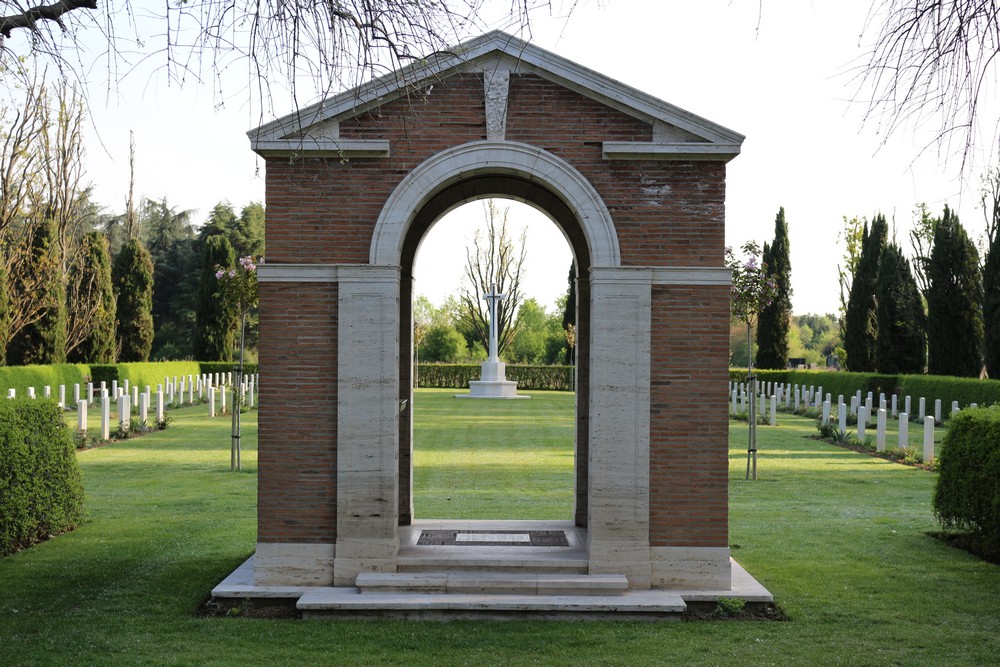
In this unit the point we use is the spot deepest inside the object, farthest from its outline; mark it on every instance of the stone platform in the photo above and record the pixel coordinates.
(486, 580)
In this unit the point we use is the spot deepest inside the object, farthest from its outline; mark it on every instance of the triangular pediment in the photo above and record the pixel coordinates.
(676, 133)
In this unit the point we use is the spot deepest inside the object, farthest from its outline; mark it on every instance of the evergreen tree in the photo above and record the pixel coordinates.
(772, 326)
(215, 322)
(954, 302)
(991, 306)
(860, 321)
(95, 304)
(569, 313)
(900, 316)
(42, 340)
(132, 275)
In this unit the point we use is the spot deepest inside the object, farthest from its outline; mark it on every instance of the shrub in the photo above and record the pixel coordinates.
(967, 495)
(41, 493)
(208, 367)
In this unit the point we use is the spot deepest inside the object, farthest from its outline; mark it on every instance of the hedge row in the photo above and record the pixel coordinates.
(41, 493)
(528, 378)
(138, 374)
(967, 495)
(931, 387)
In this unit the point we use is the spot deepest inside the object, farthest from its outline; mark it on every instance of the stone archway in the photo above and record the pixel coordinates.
(638, 187)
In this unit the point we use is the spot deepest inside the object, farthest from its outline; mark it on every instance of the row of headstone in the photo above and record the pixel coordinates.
(795, 397)
(903, 434)
(129, 401)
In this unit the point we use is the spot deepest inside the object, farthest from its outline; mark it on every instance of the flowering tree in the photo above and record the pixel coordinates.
(238, 290)
(752, 291)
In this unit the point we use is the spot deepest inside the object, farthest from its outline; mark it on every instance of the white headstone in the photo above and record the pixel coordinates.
(160, 414)
(144, 411)
(880, 429)
(842, 415)
(954, 408)
(81, 416)
(76, 393)
(47, 391)
(124, 412)
(895, 405)
(90, 393)
(906, 405)
(862, 418)
(826, 411)
(105, 415)
(904, 430)
(11, 393)
(928, 440)
(211, 402)
(937, 410)
(31, 392)
(921, 409)
(774, 410)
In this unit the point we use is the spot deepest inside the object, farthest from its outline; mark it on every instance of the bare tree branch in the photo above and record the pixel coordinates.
(31, 17)
(932, 61)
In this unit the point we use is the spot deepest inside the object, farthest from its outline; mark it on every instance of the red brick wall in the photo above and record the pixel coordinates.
(689, 426)
(324, 211)
(297, 457)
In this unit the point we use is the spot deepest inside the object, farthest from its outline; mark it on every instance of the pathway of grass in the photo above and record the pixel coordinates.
(838, 537)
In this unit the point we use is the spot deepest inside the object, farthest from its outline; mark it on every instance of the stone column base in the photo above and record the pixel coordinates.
(291, 564)
(355, 556)
(691, 568)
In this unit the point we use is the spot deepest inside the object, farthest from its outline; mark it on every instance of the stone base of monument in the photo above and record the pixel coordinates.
(493, 383)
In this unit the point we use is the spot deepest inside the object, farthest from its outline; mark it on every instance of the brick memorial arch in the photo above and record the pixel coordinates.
(353, 183)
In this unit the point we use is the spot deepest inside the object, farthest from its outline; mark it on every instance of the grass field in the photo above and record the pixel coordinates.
(838, 537)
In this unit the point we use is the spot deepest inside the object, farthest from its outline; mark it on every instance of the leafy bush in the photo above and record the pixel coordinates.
(457, 376)
(208, 367)
(948, 389)
(41, 493)
(967, 495)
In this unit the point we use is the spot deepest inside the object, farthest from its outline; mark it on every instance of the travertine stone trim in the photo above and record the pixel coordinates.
(297, 273)
(637, 150)
(498, 158)
(367, 421)
(618, 510)
(691, 568)
(496, 82)
(691, 275)
(284, 564)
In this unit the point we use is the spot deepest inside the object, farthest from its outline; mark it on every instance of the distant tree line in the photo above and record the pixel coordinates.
(79, 284)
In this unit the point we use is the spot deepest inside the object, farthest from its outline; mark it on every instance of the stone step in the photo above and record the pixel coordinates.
(493, 583)
(343, 601)
(543, 563)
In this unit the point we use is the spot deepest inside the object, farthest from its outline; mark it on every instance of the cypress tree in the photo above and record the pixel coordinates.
(215, 321)
(132, 275)
(991, 306)
(98, 347)
(42, 341)
(569, 314)
(900, 316)
(772, 325)
(954, 302)
(860, 321)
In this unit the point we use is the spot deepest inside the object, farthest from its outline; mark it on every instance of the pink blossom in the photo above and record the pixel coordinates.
(219, 274)
(232, 273)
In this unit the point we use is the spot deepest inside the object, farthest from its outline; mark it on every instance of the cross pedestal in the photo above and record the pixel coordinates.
(492, 382)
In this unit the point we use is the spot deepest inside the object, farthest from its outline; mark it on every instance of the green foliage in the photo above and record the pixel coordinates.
(41, 493)
(528, 378)
(860, 323)
(569, 310)
(442, 343)
(208, 367)
(20, 378)
(540, 338)
(91, 280)
(133, 280)
(948, 388)
(954, 302)
(772, 328)
(854, 232)
(170, 238)
(244, 233)
(900, 316)
(991, 306)
(967, 495)
(215, 320)
(42, 340)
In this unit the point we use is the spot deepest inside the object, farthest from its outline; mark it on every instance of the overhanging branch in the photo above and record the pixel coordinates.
(29, 18)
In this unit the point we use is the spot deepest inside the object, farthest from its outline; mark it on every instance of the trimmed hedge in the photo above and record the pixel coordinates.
(142, 373)
(22, 377)
(528, 378)
(931, 387)
(967, 495)
(208, 367)
(41, 493)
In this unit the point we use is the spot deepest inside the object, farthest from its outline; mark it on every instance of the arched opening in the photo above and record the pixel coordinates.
(450, 199)
(492, 459)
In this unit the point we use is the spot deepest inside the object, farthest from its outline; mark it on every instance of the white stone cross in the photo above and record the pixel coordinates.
(493, 299)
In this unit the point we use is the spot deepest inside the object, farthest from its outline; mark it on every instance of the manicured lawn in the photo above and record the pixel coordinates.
(838, 537)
